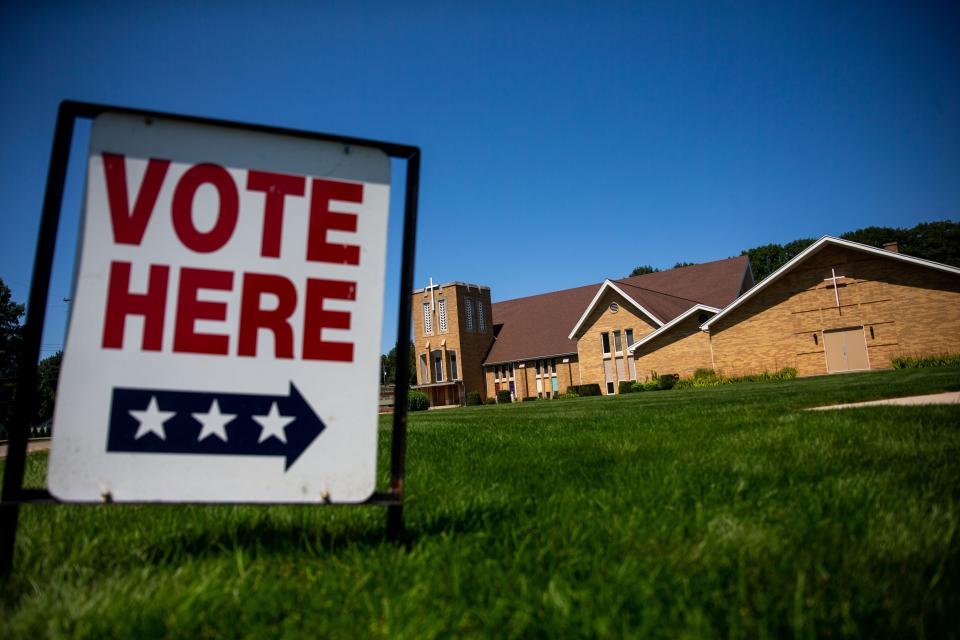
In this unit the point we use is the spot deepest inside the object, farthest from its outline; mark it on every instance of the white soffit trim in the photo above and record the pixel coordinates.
(593, 303)
(680, 318)
(800, 257)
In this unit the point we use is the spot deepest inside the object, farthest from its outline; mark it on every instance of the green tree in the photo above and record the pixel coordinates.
(413, 365)
(387, 374)
(48, 373)
(938, 241)
(642, 270)
(11, 338)
(683, 264)
(767, 258)
(388, 366)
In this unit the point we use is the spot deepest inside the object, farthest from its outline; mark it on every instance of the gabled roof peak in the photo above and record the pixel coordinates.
(539, 325)
(813, 248)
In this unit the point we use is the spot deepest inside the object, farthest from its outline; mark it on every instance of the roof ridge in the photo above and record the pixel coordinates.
(548, 293)
(600, 284)
(664, 293)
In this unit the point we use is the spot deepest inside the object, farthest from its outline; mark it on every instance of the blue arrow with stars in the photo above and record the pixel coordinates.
(210, 423)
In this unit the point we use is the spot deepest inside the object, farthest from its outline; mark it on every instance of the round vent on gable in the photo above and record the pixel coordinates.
(614, 307)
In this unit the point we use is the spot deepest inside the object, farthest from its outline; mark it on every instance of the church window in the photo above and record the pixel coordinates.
(481, 320)
(605, 343)
(442, 313)
(427, 319)
(468, 308)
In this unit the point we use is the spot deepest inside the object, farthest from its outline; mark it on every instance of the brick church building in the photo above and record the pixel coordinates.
(838, 306)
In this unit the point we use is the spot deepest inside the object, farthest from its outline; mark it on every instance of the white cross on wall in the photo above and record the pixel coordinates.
(836, 292)
(431, 287)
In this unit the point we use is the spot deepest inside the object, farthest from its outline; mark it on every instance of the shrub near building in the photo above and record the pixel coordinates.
(418, 401)
(909, 362)
(585, 389)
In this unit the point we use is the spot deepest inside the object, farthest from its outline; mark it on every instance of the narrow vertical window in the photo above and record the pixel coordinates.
(453, 365)
(442, 313)
(468, 311)
(605, 343)
(617, 345)
(481, 320)
(424, 372)
(438, 366)
(427, 319)
(628, 334)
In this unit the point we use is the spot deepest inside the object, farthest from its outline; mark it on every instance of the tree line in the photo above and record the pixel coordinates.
(938, 241)
(388, 367)
(11, 342)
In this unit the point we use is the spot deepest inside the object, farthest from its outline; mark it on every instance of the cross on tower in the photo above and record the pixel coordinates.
(836, 292)
(430, 287)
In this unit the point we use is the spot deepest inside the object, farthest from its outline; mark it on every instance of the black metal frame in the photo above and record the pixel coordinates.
(14, 494)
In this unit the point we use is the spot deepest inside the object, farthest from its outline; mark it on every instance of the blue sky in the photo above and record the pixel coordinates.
(562, 143)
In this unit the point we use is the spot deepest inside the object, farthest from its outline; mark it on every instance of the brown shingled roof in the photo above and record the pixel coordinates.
(538, 326)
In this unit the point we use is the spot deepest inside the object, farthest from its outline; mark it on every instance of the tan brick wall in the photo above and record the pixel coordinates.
(569, 373)
(471, 347)
(683, 349)
(912, 310)
(489, 383)
(474, 344)
(600, 320)
(526, 381)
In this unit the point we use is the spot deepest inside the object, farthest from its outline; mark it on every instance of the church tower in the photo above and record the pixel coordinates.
(452, 333)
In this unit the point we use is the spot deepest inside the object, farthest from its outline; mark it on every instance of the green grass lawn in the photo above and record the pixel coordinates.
(723, 512)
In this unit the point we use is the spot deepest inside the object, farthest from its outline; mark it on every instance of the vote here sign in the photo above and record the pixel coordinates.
(223, 343)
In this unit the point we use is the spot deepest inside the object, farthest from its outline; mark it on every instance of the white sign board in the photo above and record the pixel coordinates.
(223, 344)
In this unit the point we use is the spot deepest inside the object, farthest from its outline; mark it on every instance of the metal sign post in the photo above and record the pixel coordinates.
(229, 288)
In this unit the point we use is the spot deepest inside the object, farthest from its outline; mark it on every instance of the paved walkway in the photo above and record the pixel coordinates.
(950, 397)
(41, 444)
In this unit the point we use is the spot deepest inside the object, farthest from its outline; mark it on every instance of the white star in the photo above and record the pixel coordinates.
(151, 420)
(213, 422)
(273, 424)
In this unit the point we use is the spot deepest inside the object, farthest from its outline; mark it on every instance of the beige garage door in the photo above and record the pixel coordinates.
(846, 350)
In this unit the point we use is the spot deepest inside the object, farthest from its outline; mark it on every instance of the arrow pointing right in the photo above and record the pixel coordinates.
(163, 421)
